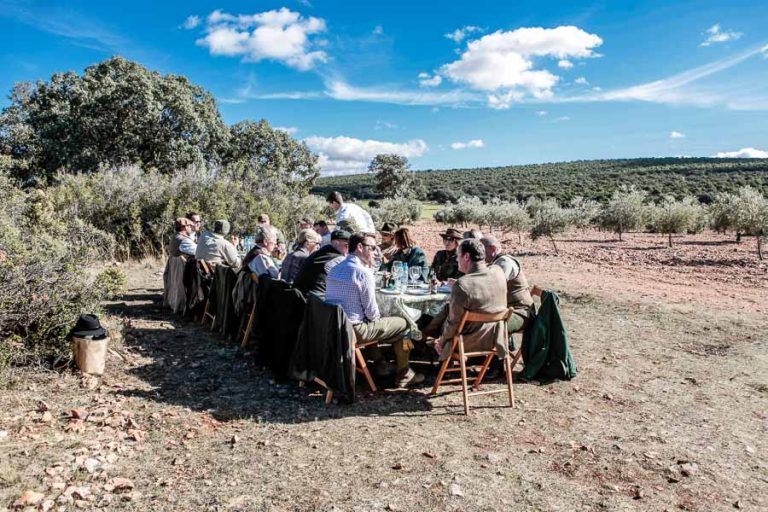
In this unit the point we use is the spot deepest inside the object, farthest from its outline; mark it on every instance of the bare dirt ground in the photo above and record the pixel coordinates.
(669, 410)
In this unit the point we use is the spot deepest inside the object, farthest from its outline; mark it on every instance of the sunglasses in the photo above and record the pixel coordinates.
(369, 246)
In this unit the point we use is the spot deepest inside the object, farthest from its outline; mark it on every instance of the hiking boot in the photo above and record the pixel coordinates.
(408, 378)
(382, 368)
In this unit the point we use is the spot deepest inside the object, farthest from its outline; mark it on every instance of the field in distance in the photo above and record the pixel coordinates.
(594, 179)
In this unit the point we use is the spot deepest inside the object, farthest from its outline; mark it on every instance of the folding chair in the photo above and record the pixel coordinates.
(360, 367)
(536, 292)
(461, 356)
(208, 270)
(246, 332)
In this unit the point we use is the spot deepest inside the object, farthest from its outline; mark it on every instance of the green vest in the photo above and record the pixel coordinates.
(518, 292)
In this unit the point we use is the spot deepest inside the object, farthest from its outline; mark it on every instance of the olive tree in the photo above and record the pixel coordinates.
(625, 211)
(674, 217)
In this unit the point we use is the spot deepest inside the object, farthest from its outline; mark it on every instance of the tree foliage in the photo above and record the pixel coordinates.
(393, 176)
(625, 211)
(674, 217)
(118, 113)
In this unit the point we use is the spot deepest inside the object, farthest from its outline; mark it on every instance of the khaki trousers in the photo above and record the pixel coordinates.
(386, 330)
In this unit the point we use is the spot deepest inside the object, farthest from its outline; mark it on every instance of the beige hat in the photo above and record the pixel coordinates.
(180, 222)
(308, 235)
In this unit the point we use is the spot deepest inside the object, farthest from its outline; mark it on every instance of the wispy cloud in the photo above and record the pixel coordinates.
(743, 153)
(340, 90)
(345, 155)
(676, 135)
(472, 144)
(675, 90)
(715, 35)
(78, 28)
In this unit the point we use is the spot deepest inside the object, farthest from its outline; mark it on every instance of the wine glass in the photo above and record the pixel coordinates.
(415, 273)
(425, 273)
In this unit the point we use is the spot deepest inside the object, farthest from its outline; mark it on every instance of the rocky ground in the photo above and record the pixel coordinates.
(669, 410)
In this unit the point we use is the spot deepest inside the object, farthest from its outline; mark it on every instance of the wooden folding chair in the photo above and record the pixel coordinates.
(536, 292)
(461, 356)
(360, 367)
(208, 269)
(246, 332)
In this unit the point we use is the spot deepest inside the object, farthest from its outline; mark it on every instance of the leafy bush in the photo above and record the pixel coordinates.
(112, 281)
(399, 210)
(674, 217)
(626, 211)
(44, 284)
(549, 219)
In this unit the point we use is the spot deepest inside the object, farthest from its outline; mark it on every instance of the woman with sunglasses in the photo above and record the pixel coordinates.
(446, 264)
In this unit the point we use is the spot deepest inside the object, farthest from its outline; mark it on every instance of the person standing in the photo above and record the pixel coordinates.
(197, 225)
(321, 228)
(351, 212)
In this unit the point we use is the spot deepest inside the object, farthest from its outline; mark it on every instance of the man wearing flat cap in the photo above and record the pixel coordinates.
(307, 242)
(445, 264)
(311, 278)
(215, 248)
(182, 242)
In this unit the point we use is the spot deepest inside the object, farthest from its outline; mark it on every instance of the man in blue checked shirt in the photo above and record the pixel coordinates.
(351, 285)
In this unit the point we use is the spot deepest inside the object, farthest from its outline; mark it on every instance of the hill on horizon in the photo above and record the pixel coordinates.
(703, 178)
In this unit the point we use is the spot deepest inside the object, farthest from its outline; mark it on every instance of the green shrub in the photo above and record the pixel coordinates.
(399, 210)
(112, 282)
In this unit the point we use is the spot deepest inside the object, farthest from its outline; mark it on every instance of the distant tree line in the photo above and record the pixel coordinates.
(628, 209)
(701, 178)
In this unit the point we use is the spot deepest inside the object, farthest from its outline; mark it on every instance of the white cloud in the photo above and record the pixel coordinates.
(280, 35)
(675, 89)
(340, 90)
(597, 88)
(502, 62)
(378, 30)
(564, 64)
(474, 143)
(459, 34)
(581, 81)
(290, 130)
(676, 135)
(716, 35)
(743, 153)
(384, 125)
(191, 22)
(346, 155)
(541, 113)
(561, 119)
(429, 81)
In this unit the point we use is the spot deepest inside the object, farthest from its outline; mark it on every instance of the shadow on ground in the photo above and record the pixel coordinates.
(185, 364)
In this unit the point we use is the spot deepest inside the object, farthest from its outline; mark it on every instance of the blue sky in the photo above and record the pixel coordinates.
(448, 84)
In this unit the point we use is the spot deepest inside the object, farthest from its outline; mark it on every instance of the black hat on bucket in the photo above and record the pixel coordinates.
(88, 325)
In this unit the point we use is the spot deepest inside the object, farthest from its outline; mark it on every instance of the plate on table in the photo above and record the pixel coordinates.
(443, 289)
(389, 292)
(418, 291)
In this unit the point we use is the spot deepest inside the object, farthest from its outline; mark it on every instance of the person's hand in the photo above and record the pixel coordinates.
(438, 347)
(450, 281)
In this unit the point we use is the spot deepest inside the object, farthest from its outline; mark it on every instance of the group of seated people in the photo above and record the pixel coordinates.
(340, 266)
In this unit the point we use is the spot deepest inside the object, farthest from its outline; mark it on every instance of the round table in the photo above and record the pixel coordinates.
(410, 306)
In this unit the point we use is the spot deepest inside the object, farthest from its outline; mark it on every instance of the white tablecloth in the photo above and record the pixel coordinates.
(411, 307)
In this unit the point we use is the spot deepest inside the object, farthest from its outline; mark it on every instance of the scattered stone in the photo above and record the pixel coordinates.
(29, 498)
(737, 504)
(429, 455)
(92, 465)
(689, 469)
(118, 485)
(47, 505)
(455, 490)
(47, 417)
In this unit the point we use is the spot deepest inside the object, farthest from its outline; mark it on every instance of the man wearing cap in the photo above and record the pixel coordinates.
(182, 242)
(352, 212)
(351, 286)
(518, 292)
(387, 245)
(308, 241)
(312, 276)
(321, 228)
(445, 263)
(259, 259)
(215, 248)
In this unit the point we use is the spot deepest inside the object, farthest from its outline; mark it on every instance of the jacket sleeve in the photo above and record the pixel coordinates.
(456, 309)
(187, 246)
(418, 259)
(230, 255)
